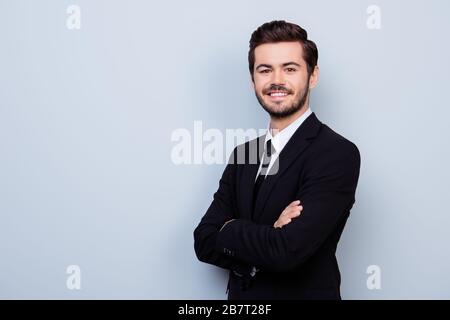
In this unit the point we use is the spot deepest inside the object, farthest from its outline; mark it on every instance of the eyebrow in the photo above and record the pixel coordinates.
(284, 65)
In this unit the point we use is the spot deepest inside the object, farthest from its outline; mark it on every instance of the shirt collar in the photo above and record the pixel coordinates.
(282, 138)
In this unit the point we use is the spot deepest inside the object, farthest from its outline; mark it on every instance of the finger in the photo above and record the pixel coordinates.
(291, 209)
(294, 203)
(299, 209)
(289, 213)
(281, 222)
(293, 215)
(285, 220)
(294, 212)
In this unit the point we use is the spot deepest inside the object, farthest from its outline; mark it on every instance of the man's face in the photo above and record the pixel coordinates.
(280, 78)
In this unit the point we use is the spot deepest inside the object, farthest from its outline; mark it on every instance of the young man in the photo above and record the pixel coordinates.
(275, 223)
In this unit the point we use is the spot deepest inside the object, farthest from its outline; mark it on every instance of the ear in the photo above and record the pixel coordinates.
(314, 77)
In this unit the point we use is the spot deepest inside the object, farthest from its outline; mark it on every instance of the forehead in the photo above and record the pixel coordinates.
(278, 53)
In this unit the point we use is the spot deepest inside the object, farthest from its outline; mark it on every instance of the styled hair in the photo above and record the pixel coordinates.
(282, 31)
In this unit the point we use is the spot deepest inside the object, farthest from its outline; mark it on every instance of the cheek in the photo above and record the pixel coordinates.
(299, 85)
(259, 88)
(259, 85)
(302, 81)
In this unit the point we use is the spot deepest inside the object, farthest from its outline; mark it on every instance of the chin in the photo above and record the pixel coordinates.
(278, 107)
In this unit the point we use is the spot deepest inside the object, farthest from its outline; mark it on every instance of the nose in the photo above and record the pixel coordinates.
(277, 77)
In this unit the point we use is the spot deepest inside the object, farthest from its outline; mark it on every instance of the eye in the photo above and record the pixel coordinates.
(291, 69)
(265, 71)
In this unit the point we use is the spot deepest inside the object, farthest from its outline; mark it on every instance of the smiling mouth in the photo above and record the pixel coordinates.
(277, 95)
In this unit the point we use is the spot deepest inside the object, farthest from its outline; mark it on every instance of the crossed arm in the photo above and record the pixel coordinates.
(326, 197)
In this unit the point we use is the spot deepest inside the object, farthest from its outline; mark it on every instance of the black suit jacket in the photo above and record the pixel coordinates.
(317, 166)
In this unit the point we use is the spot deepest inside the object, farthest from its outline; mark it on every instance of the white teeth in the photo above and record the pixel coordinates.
(278, 94)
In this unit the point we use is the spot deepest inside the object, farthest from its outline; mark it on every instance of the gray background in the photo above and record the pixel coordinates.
(86, 118)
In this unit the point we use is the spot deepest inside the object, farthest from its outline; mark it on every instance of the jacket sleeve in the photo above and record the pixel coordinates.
(327, 194)
(221, 210)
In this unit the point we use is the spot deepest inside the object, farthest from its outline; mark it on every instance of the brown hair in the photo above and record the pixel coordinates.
(278, 31)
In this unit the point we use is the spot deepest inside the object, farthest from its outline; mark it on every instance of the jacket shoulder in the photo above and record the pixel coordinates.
(329, 140)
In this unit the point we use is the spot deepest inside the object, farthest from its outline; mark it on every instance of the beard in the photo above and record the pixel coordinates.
(284, 111)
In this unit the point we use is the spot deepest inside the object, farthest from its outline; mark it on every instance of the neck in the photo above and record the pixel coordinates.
(278, 124)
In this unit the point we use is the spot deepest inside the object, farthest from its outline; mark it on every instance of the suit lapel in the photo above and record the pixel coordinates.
(249, 175)
(300, 140)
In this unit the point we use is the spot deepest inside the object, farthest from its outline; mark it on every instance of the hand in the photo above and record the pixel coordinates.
(293, 210)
